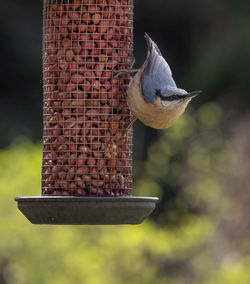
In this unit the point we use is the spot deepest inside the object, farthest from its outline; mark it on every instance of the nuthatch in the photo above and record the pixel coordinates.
(153, 96)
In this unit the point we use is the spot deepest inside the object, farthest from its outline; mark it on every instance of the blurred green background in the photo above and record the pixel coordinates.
(200, 169)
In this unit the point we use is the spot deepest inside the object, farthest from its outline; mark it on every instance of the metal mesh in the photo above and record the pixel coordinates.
(87, 144)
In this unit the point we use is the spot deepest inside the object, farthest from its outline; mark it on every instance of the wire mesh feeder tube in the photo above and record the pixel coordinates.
(87, 143)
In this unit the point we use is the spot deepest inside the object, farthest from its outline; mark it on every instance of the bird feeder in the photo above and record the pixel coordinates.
(87, 141)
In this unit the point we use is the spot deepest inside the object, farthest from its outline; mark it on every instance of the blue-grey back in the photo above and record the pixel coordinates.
(156, 76)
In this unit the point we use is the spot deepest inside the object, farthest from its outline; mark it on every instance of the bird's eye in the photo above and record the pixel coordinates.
(158, 92)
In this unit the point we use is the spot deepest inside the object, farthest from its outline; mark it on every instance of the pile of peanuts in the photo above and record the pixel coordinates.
(87, 143)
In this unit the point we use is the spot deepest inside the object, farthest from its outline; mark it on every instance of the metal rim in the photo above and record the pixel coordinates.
(85, 198)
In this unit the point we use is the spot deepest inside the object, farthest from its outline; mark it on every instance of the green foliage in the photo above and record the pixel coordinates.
(186, 168)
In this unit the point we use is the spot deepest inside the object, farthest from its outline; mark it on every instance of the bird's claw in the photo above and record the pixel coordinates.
(132, 121)
(125, 71)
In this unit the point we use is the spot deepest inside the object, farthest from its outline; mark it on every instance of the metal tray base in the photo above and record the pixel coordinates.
(70, 210)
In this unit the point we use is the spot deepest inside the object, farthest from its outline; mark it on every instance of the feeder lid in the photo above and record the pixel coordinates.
(70, 210)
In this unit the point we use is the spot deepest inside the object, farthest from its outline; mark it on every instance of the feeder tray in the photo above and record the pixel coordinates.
(72, 210)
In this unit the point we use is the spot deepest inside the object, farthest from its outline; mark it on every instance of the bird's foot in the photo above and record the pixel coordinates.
(133, 62)
(132, 121)
(125, 71)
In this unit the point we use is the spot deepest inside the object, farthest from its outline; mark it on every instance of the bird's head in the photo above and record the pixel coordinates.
(176, 98)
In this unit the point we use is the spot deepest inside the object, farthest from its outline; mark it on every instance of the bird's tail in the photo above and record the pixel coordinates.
(151, 44)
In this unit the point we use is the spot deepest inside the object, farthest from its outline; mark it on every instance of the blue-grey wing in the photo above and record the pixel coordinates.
(157, 74)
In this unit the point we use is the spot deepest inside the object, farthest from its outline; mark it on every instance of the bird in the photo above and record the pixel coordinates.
(152, 94)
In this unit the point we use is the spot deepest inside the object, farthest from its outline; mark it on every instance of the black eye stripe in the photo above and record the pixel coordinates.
(169, 98)
(173, 97)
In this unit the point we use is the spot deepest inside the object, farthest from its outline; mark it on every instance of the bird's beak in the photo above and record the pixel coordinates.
(193, 94)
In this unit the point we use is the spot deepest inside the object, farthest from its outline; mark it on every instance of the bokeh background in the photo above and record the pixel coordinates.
(200, 169)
